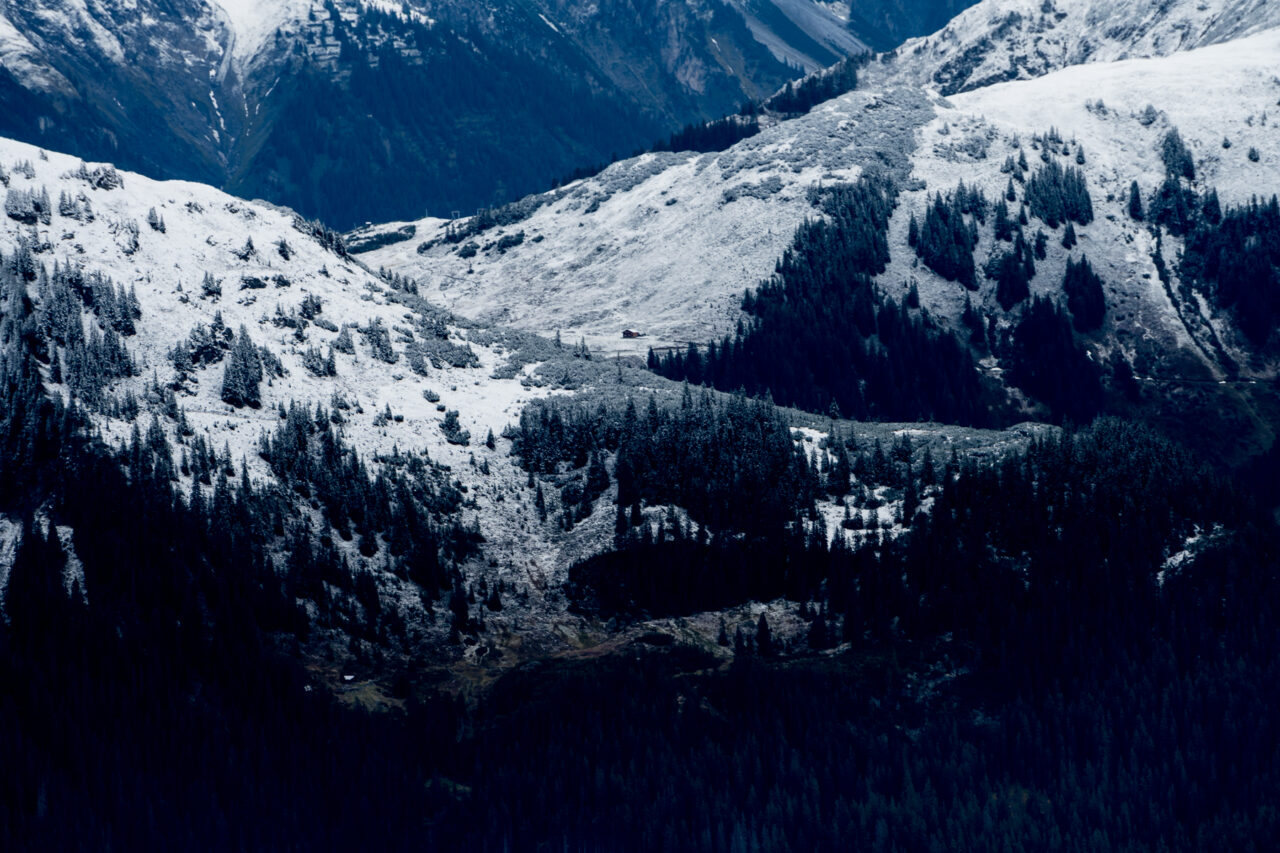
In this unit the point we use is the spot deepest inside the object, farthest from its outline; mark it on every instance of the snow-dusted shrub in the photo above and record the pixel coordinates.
(378, 338)
(452, 429)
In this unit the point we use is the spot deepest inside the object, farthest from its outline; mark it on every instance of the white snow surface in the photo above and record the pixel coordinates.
(21, 58)
(999, 40)
(10, 539)
(253, 22)
(664, 244)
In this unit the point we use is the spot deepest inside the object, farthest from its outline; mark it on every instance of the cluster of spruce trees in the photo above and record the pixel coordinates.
(946, 239)
(821, 334)
(85, 361)
(799, 98)
(712, 136)
(1049, 365)
(732, 464)
(1235, 258)
(1231, 255)
(1058, 195)
(1085, 300)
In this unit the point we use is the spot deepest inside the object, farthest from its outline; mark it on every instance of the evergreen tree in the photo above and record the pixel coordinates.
(946, 241)
(764, 637)
(1178, 162)
(243, 373)
(1135, 202)
(1085, 300)
(1173, 206)
(1003, 226)
(1013, 271)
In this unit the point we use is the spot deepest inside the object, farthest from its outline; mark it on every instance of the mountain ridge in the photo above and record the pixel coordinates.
(1001, 40)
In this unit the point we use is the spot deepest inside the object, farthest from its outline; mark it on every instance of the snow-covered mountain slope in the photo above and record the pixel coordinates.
(266, 263)
(667, 243)
(1001, 40)
(206, 233)
(1222, 92)
(664, 244)
(192, 256)
(1216, 94)
(251, 23)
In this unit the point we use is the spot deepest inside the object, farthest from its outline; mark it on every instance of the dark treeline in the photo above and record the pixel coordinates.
(1169, 710)
(993, 544)
(1094, 677)
(731, 464)
(712, 136)
(799, 98)
(821, 335)
(1236, 258)
(946, 240)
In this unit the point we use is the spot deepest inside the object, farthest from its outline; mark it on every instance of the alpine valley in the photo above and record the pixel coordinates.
(884, 456)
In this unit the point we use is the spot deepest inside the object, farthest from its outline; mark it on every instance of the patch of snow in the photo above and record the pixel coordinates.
(10, 538)
(253, 22)
(22, 59)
